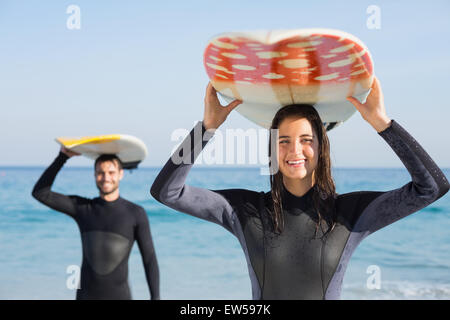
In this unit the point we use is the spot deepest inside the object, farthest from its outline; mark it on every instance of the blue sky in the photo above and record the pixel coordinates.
(136, 68)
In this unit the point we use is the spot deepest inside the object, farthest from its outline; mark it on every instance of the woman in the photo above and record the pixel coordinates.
(299, 237)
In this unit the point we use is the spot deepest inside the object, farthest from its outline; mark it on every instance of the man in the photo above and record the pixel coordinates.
(109, 225)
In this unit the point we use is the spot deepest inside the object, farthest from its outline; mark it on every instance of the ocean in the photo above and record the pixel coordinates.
(409, 259)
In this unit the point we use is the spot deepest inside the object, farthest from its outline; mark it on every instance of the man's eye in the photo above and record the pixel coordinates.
(284, 141)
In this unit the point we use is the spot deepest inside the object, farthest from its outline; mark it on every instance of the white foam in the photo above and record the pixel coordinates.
(398, 290)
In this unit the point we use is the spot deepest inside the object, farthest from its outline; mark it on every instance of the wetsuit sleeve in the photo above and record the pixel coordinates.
(170, 189)
(43, 193)
(145, 244)
(379, 209)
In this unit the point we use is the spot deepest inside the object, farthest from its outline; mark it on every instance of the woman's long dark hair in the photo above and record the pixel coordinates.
(324, 188)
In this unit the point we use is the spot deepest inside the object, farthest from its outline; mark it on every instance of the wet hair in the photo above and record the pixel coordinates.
(108, 157)
(324, 192)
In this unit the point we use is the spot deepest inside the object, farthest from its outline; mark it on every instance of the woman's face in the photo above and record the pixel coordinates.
(298, 148)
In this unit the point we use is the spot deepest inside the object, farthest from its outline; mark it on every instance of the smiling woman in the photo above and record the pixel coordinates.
(303, 155)
(299, 237)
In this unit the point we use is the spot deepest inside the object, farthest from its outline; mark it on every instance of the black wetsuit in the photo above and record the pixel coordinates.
(296, 264)
(108, 231)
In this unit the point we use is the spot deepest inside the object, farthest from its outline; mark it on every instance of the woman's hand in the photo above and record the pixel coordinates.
(373, 110)
(215, 114)
(68, 153)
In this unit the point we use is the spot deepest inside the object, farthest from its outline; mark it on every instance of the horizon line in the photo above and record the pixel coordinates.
(200, 167)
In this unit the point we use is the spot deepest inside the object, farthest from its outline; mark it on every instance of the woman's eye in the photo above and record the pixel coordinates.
(307, 141)
(284, 141)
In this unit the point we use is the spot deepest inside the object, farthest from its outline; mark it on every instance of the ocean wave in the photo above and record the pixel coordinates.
(398, 290)
(435, 210)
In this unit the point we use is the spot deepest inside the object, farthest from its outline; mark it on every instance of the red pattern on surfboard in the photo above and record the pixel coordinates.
(314, 59)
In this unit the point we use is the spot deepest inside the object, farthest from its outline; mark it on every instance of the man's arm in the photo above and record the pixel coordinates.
(145, 243)
(43, 193)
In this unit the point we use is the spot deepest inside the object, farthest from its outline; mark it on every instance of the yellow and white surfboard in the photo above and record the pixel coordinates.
(129, 149)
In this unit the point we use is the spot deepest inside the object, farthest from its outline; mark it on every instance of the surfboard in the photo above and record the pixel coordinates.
(129, 149)
(270, 69)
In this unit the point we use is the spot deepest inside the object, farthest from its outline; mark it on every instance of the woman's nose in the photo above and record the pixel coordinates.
(296, 147)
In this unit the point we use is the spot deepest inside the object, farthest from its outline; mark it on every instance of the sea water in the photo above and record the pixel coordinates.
(409, 259)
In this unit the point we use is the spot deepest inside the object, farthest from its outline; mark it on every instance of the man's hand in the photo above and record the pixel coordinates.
(69, 153)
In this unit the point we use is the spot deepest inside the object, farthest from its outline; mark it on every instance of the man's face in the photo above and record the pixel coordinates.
(108, 176)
